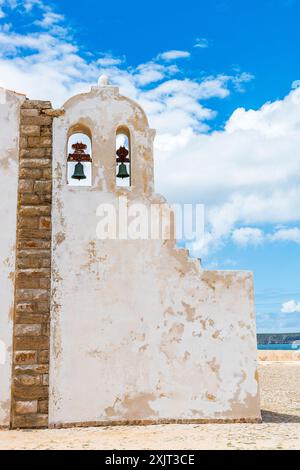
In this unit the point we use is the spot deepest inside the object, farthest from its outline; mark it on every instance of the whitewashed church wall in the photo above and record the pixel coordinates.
(139, 332)
(10, 103)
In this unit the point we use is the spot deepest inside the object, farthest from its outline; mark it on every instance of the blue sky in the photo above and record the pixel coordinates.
(219, 81)
(258, 36)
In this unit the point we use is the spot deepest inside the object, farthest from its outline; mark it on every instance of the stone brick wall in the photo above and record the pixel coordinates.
(33, 268)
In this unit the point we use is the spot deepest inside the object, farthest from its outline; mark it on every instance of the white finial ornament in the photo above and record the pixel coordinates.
(103, 80)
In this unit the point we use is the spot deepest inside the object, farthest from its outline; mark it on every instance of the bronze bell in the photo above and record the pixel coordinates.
(79, 172)
(123, 173)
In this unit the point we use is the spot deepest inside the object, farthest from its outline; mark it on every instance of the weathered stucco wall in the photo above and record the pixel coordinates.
(138, 331)
(10, 103)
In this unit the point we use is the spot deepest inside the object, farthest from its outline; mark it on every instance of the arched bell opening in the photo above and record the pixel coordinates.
(123, 157)
(79, 159)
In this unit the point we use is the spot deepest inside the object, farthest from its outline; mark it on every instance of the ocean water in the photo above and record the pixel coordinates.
(285, 347)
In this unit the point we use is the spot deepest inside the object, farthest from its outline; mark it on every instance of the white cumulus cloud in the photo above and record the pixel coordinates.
(49, 18)
(290, 307)
(173, 55)
(109, 61)
(248, 236)
(287, 234)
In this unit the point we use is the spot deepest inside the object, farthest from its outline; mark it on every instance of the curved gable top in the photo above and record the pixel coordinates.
(120, 109)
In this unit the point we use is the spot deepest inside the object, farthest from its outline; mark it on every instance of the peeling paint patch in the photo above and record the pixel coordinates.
(60, 238)
(169, 311)
(217, 334)
(190, 312)
(214, 366)
(132, 407)
(210, 397)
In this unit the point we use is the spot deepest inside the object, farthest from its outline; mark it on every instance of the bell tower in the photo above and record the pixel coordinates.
(112, 122)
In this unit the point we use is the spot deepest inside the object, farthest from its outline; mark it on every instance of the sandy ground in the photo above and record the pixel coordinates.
(280, 390)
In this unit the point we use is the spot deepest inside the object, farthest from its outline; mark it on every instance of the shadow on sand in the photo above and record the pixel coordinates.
(272, 417)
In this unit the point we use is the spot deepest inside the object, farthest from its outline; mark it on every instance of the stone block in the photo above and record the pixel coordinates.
(23, 142)
(26, 307)
(26, 407)
(43, 357)
(36, 104)
(46, 263)
(39, 120)
(45, 223)
(25, 357)
(47, 174)
(29, 199)
(30, 173)
(32, 369)
(34, 244)
(43, 187)
(28, 330)
(33, 211)
(46, 131)
(28, 379)
(33, 273)
(46, 379)
(30, 130)
(29, 262)
(33, 253)
(34, 317)
(34, 342)
(26, 186)
(43, 307)
(34, 153)
(32, 294)
(28, 222)
(30, 421)
(43, 406)
(34, 392)
(35, 163)
(45, 283)
(32, 234)
(28, 283)
(29, 113)
(39, 142)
